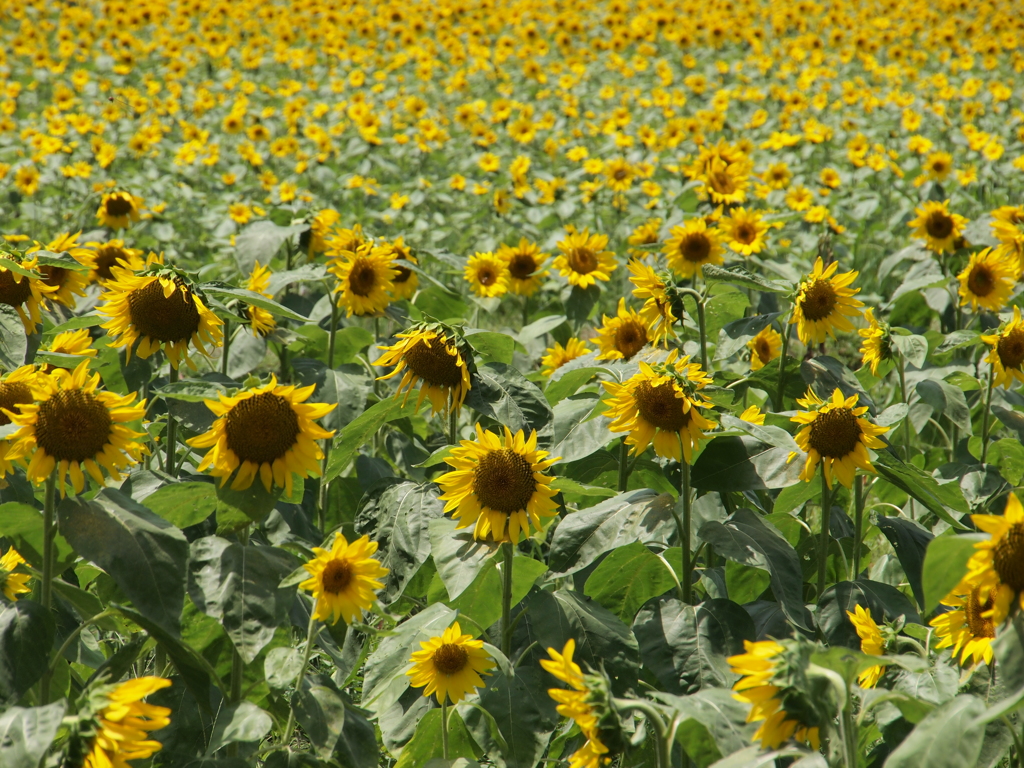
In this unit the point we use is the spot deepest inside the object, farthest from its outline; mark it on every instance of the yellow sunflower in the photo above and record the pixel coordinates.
(339, 240)
(313, 239)
(343, 579)
(67, 283)
(966, 629)
(78, 343)
(23, 293)
(623, 336)
(524, 262)
(996, 569)
(450, 665)
(876, 346)
(1007, 354)
(871, 643)
(72, 426)
(122, 726)
(691, 247)
(557, 356)
(583, 259)
(487, 275)
(573, 703)
(266, 430)
(726, 183)
(405, 281)
(434, 358)
(656, 313)
(744, 231)
(825, 303)
(764, 347)
(937, 226)
(13, 584)
(661, 406)
(261, 322)
(105, 256)
(118, 210)
(366, 279)
(161, 311)
(619, 174)
(837, 436)
(647, 233)
(987, 281)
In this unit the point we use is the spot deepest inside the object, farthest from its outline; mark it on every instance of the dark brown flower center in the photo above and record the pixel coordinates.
(973, 610)
(262, 428)
(745, 234)
(403, 273)
(819, 300)
(119, 206)
(450, 659)
(73, 425)
(171, 318)
(835, 433)
(55, 276)
(620, 173)
(630, 338)
(12, 395)
(981, 281)
(659, 406)
(1008, 557)
(363, 278)
(486, 276)
(503, 481)
(763, 350)
(722, 183)
(696, 247)
(1011, 348)
(522, 266)
(939, 225)
(582, 260)
(12, 292)
(432, 363)
(337, 576)
(109, 256)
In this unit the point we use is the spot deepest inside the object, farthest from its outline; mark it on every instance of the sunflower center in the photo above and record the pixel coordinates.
(522, 266)
(745, 234)
(981, 281)
(450, 659)
(432, 363)
(362, 278)
(11, 395)
(486, 276)
(835, 433)
(262, 428)
(73, 425)
(55, 276)
(404, 273)
(13, 293)
(620, 174)
(1011, 348)
(630, 338)
(939, 225)
(973, 610)
(1008, 557)
(503, 481)
(171, 318)
(659, 406)
(696, 248)
(819, 300)
(110, 256)
(118, 206)
(763, 350)
(582, 260)
(336, 576)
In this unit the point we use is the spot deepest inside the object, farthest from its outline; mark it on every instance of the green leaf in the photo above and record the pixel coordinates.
(477, 603)
(522, 711)
(946, 738)
(914, 348)
(910, 541)
(458, 556)
(826, 374)
(576, 434)
(742, 276)
(943, 500)
(191, 391)
(627, 578)
(564, 386)
(144, 554)
(307, 273)
(51, 259)
(320, 710)
(571, 487)
(505, 395)
(82, 321)
(723, 308)
(13, 266)
(13, 341)
(241, 722)
(711, 724)
(260, 241)
(253, 504)
(23, 525)
(349, 342)
(947, 400)
(253, 299)
(1008, 455)
(426, 742)
(742, 463)
(580, 304)
(281, 667)
(26, 636)
(27, 733)
(734, 336)
(358, 433)
(885, 602)
(1008, 648)
(441, 305)
(184, 504)
(491, 346)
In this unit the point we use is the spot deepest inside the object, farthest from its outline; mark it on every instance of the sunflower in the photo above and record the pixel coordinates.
(313, 240)
(436, 359)
(726, 183)
(339, 240)
(366, 279)
(824, 303)
(118, 210)
(405, 281)
(996, 569)
(161, 310)
(77, 342)
(67, 283)
(123, 724)
(450, 665)
(656, 313)
(105, 256)
(16, 388)
(487, 275)
(987, 281)
(261, 321)
(871, 643)
(267, 430)
(764, 347)
(343, 579)
(72, 426)
(647, 233)
(836, 436)
(744, 231)
(758, 667)
(938, 165)
(877, 346)
(619, 174)
(23, 293)
(661, 406)
(966, 629)
(753, 415)
(623, 336)
(937, 226)
(691, 247)
(557, 356)
(524, 262)
(13, 584)
(1007, 354)
(574, 704)
(584, 260)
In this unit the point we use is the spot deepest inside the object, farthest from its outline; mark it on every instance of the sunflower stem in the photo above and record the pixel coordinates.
(506, 598)
(453, 420)
(623, 465)
(985, 417)
(333, 334)
(858, 522)
(172, 430)
(699, 301)
(684, 525)
(311, 633)
(826, 513)
(444, 727)
(46, 588)
(903, 393)
(226, 348)
(780, 388)
(666, 734)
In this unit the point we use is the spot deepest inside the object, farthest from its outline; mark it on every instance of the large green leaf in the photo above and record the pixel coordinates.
(945, 500)
(522, 711)
(241, 722)
(561, 387)
(627, 578)
(505, 395)
(26, 734)
(910, 541)
(711, 724)
(26, 637)
(260, 241)
(743, 463)
(426, 742)
(22, 524)
(225, 291)
(734, 336)
(360, 431)
(946, 738)
(236, 509)
(945, 564)
(947, 400)
(184, 504)
(13, 341)
(884, 601)
(491, 346)
(320, 710)
(477, 605)
(576, 434)
(458, 556)
(742, 276)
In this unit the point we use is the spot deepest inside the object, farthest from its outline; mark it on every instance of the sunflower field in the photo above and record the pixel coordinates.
(630, 383)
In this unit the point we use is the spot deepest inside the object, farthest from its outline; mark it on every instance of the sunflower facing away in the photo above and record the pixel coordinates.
(450, 666)
(67, 283)
(498, 485)
(876, 346)
(122, 726)
(487, 275)
(269, 431)
(433, 358)
(837, 436)
(987, 281)
(871, 643)
(825, 303)
(160, 311)
(573, 702)
(343, 579)
(583, 259)
(661, 406)
(366, 279)
(623, 336)
(22, 293)
(764, 347)
(73, 427)
(744, 231)
(261, 321)
(524, 262)
(557, 356)
(997, 567)
(656, 313)
(118, 210)
(937, 226)
(966, 629)
(1007, 354)
(13, 584)
(691, 246)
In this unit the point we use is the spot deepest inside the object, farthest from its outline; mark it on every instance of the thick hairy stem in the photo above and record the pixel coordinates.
(172, 431)
(506, 599)
(826, 514)
(46, 588)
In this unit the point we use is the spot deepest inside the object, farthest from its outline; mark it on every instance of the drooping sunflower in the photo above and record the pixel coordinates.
(498, 485)
(871, 643)
(366, 279)
(987, 281)
(267, 430)
(450, 665)
(937, 226)
(67, 283)
(744, 231)
(162, 311)
(656, 313)
(661, 406)
(524, 262)
(876, 347)
(825, 303)
(114, 253)
(837, 436)
(996, 568)
(13, 584)
(623, 336)
(261, 322)
(574, 704)
(583, 259)
(691, 247)
(764, 347)
(123, 724)
(405, 281)
(436, 359)
(118, 210)
(24, 293)
(343, 579)
(1007, 354)
(487, 275)
(72, 426)
(557, 356)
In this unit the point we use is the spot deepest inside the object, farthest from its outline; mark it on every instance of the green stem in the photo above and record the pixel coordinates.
(311, 633)
(333, 334)
(506, 599)
(985, 418)
(780, 387)
(858, 522)
(46, 591)
(826, 513)
(75, 633)
(453, 421)
(684, 524)
(226, 348)
(699, 301)
(172, 430)
(623, 465)
(661, 728)
(903, 393)
(444, 727)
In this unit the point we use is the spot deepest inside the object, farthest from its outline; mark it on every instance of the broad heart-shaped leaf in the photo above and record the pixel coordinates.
(358, 433)
(320, 710)
(948, 401)
(144, 554)
(252, 504)
(734, 336)
(241, 722)
(577, 436)
(685, 647)
(426, 743)
(712, 724)
(563, 386)
(945, 500)
(357, 747)
(884, 601)
(26, 637)
(225, 291)
(184, 504)
(398, 518)
(13, 341)
(458, 557)
(945, 564)
(23, 525)
(26, 734)
(742, 276)
(745, 538)
(491, 346)
(913, 347)
(627, 578)
(476, 605)
(523, 712)
(505, 395)
(1008, 648)
(260, 241)
(910, 541)
(825, 375)
(743, 463)
(583, 536)
(305, 274)
(238, 586)
(946, 738)
(580, 304)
